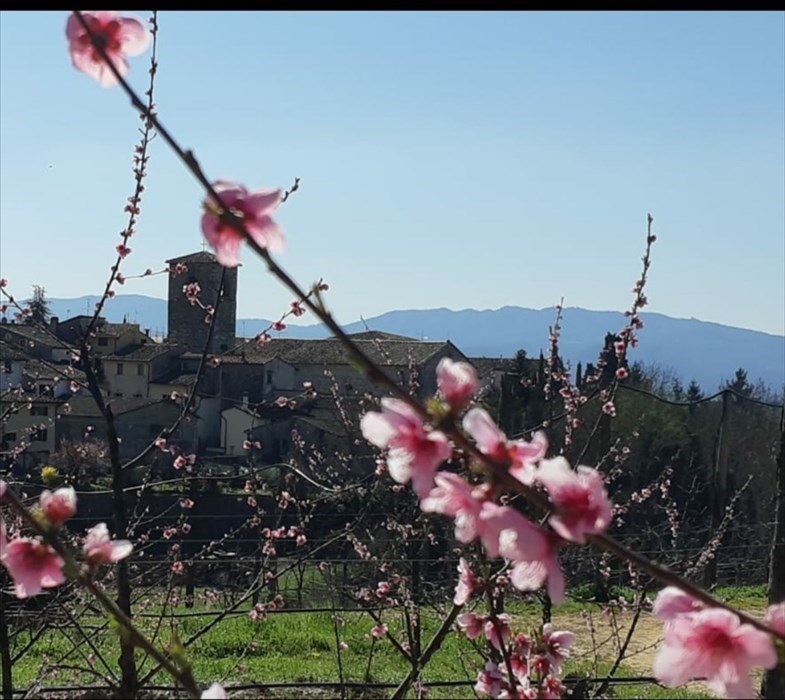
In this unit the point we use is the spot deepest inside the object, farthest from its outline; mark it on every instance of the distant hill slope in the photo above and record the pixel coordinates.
(706, 352)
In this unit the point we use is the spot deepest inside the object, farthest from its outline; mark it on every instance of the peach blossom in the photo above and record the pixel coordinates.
(121, 37)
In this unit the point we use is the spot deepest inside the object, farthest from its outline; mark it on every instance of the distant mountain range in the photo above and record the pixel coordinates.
(710, 353)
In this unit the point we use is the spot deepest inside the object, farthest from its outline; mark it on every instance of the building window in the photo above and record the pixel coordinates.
(269, 377)
(140, 369)
(119, 368)
(7, 366)
(39, 435)
(103, 341)
(39, 410)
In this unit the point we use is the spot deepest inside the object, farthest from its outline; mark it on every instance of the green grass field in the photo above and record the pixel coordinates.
(291, 647)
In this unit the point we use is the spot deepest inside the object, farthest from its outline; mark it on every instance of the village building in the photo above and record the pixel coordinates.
(243, 392)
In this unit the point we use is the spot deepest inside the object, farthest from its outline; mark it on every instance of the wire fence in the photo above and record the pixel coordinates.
(223, 558)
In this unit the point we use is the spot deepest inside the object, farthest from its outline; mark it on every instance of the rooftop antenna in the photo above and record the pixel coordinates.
(204, 245)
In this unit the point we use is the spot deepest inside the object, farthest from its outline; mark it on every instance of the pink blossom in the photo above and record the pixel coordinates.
(457, 382)
(551, 688)
(713, 644)
(454, 497)
(415, 452)
(582, 505)
(99, 548)
(489, 680)
(186, 503)
(622, 373)
(608, 408)
(301, 540)
(122, 250)
(253, 209)
(491, 441)
(297, 308)
(471, 624)
(214, 692)
(120, 36)
(58, 506)
(379, 631)
(466, 583)
(498, 632)
(32, 564)
(279, 326)
(511, 535)
(775, 617)
(672, 601)
(177, 567)
(557, 646)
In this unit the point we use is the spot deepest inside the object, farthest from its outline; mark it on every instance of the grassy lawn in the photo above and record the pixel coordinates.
(301, 646)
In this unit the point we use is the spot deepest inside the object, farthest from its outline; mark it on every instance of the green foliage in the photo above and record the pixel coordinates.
(39, 306)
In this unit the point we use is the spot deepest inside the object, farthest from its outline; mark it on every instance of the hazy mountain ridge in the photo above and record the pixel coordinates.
(701, 350)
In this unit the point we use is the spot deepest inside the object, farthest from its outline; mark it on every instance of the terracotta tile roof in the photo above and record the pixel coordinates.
(176, 376)
(86, 406)
(398, 353)
(142, 353)
(32, 334)
(11, 396)
(200, 257)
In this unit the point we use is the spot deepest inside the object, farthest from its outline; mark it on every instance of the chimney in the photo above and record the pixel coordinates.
(53, 323)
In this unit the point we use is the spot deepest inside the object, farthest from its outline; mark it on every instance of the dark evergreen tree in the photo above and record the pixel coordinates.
(694, 392)
(39, 306)
(739, 383)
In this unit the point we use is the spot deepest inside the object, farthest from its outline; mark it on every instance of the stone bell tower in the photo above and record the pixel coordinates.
(187, 327)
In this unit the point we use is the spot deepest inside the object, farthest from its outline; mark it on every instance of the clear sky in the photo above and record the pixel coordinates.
(465, 160)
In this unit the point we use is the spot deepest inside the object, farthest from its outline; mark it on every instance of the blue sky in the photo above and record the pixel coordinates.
(465, 160)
